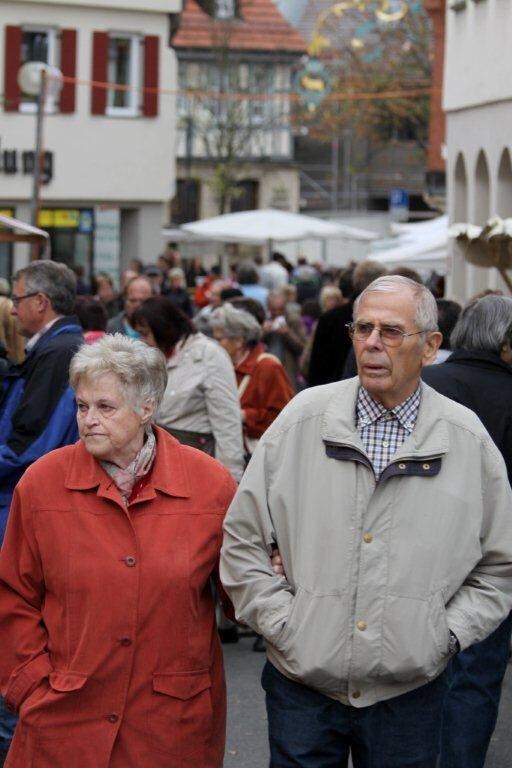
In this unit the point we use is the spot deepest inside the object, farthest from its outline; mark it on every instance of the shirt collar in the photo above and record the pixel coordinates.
(368, 410)
(35, 338)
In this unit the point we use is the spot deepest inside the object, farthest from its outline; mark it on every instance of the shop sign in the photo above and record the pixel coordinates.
(14, 161)
(58, 218)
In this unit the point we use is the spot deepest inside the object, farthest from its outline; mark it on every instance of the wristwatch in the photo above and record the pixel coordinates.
(453, 645)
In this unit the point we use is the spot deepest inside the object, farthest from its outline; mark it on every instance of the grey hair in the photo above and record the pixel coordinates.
(484, 325)
(236, 323)
(141, 370)
(55, 280)
(426, 307)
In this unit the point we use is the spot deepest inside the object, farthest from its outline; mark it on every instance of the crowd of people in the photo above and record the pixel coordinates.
(358, 426)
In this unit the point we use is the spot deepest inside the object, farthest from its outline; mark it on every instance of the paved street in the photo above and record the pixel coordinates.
(246, 745)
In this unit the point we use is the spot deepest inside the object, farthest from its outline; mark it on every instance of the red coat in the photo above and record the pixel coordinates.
(267, 392)
(109, 648)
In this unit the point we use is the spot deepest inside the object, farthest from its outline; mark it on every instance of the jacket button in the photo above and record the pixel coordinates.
(367, 538)
(402, 466)
(426, 466)
(113, 717)
(125, 641)
(130, 561)
(362, 625)
(356, 694)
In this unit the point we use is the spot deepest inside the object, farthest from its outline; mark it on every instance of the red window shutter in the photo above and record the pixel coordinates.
(151, 71)
(68, 69)
(99, 72)
(12, 92)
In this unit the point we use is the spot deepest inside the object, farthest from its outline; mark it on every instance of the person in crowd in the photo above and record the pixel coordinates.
(203, 287)
(177, 290)
(200, 404)
(93, 318)
(110, 651)
(390, 507)
(37, 408)
(136, 266)
(478, 374)
(136, 291)
(448, 313)
(214, 298)
(83, 287)
(307, 280)
(194, 270)
(274, 275)
(263, 384)
(156, 277)
(11, 340)
(249, 284)
(331, 344)
(106, 293)
(284, 334)
(330, 297)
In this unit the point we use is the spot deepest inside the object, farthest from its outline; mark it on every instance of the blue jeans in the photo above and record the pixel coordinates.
(309, 730)
(471, 705)
(7, 725)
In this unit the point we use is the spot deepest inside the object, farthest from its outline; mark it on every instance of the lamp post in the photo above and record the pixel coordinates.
(38, 79)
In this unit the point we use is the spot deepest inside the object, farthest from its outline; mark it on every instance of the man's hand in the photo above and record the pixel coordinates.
(277, 563)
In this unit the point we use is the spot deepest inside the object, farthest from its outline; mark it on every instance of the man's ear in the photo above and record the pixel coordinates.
(432, 344)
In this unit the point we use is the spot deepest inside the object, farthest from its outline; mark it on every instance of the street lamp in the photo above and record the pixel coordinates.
(36, 78)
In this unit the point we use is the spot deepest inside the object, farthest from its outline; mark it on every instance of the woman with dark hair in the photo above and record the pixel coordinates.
(200, 404)
(93, 317)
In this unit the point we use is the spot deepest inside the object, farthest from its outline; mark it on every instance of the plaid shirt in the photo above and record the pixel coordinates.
(383, 431)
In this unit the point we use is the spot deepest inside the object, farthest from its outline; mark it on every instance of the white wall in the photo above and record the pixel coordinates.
(478, 60)
(97, 158)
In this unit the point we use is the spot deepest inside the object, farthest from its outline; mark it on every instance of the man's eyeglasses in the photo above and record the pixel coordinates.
(16, 299)
(389, 335)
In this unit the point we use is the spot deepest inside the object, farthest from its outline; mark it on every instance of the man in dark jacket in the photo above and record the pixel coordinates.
(37, 406)
(478, 374)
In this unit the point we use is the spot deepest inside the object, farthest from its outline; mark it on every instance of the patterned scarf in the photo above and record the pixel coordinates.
(125, 479)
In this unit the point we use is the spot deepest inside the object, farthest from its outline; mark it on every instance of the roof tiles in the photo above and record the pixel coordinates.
(260, 27)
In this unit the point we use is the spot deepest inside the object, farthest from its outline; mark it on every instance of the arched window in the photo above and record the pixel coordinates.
(460, 211)
(504, 202)
(482, 184)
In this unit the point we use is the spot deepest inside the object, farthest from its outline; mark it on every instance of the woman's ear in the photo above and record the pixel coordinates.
(506, 353)
(147, 410)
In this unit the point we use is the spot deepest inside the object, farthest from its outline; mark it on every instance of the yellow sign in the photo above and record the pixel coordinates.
(58, 218)
(7, 212)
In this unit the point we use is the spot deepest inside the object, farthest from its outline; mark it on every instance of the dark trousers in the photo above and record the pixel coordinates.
(471, 705)
(309, 730)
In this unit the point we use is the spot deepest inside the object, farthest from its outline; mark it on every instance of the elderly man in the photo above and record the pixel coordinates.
(137, 290)
(391, 508)
(37, 410)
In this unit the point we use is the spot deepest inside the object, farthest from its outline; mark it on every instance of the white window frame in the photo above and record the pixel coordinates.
(135, 76)
(224, 9)
(30, 107)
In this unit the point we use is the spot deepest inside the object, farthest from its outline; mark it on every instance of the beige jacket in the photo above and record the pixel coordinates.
(376, 574)
(201, 396)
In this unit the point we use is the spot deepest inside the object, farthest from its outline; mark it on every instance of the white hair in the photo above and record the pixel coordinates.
(141, 370)
(426, 307)
(236, 323)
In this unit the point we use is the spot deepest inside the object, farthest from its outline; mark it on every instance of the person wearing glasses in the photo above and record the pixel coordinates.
(37, 406)
(390, 507)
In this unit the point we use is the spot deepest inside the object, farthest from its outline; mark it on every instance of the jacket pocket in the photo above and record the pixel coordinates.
(180, 715)
(415, 638)
(311, 644)
(56, 705)
(66, 681)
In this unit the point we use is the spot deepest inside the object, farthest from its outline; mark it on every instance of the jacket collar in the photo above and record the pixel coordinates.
(168, 475)
(479, 359)
(429, 437)
(248, 364)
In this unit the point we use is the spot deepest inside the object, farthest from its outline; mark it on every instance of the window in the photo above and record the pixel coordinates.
(124, 68)
(38, 44)
(260, 84)
(224, 9)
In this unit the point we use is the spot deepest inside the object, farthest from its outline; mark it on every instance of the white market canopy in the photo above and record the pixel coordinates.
(422, 246)
(261, 226)
(13, 230)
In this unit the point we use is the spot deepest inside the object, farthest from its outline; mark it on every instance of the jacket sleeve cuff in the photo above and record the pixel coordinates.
(22, 683)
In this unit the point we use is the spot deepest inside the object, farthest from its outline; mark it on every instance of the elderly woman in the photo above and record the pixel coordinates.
(110, 652)
(200, 404)
(263, 384)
